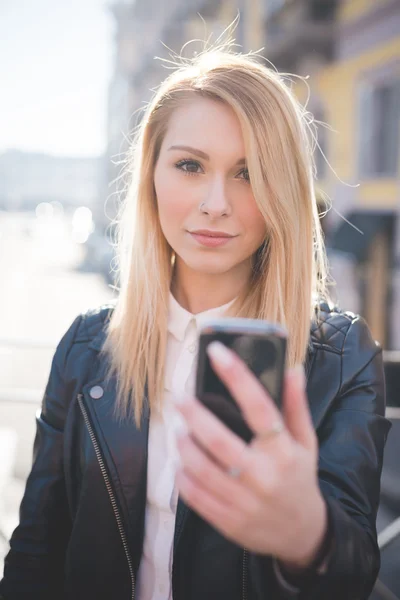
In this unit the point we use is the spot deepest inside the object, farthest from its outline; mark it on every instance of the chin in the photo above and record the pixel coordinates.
(212, 265)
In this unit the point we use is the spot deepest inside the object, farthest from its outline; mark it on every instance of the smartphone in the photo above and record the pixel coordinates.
(261, 345)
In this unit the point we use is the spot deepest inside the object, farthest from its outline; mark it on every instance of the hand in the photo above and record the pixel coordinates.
(274, 505)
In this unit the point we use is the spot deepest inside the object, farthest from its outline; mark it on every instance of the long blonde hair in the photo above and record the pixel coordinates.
(290, 270)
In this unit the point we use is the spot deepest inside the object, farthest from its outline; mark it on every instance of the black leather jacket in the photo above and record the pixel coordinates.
(82, 516)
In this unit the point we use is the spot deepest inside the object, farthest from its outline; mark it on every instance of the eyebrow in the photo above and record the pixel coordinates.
(197, 152)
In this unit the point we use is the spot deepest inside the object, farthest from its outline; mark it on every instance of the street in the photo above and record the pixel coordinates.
(42, 293)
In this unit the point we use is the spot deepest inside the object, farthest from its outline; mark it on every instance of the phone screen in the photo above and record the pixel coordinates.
(261, 345)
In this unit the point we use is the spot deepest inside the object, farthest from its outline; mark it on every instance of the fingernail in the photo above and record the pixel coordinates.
(220, 354)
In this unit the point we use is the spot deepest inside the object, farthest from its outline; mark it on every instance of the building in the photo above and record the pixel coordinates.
(351, 50)
(360, 92)
(28, 178)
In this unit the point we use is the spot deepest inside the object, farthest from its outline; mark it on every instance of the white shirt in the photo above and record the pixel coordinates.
(154, 580)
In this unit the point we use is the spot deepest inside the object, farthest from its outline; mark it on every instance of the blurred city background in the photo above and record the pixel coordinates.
(73, 77)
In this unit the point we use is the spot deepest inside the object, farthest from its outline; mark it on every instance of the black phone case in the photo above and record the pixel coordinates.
(262, 351)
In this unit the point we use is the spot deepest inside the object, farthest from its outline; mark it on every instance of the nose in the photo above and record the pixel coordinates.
(216, 203)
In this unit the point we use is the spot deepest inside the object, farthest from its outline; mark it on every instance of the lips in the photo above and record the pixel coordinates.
(211, 233)
(211, 239)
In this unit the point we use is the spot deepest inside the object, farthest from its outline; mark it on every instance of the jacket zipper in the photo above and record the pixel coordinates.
(245, 573)
(110, 494)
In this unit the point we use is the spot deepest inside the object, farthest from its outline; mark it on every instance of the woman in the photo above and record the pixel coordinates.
(220, 218)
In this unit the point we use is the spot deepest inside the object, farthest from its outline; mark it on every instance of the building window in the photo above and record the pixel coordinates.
(379, 129)
(322, 11)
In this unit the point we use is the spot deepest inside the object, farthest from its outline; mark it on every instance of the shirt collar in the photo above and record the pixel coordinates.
(179, 318)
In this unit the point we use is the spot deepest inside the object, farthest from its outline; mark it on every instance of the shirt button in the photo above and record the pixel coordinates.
(192, 348)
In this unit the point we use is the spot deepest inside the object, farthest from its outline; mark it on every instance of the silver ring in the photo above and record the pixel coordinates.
(234, 472)
(274, 430)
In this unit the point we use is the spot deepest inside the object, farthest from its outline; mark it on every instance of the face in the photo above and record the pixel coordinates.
(206, 206)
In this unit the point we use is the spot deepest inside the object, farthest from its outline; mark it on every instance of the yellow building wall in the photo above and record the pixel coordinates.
(254, 26)
(349, 10)
(337, 86)
(381, 193)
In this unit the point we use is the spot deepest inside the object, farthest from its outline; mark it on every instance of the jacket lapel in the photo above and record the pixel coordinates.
(124, 450)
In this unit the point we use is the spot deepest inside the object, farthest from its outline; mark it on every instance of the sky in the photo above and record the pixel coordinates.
(56, 60)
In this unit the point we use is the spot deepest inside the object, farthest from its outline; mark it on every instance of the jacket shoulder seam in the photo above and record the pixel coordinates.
(364, 366)
(92, 321)
(76, 332)
(326, 342)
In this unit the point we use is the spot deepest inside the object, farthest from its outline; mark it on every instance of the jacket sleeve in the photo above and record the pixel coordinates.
(351, 443)
(34, 565)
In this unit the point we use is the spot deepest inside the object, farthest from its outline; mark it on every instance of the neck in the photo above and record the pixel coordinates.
(197, 291)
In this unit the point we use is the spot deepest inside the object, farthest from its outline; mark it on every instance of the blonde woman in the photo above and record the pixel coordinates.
(220, 218)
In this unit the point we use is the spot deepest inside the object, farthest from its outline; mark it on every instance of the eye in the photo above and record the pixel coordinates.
(188, 166)
(245, 174)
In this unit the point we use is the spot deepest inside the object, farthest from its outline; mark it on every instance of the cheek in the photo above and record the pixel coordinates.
(254, 223)
(173, 200)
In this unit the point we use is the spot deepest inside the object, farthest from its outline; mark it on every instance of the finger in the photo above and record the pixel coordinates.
(255, 471)
(256, 405)
(296, 410)
(222, 444)
(224, 518)
(210, 476)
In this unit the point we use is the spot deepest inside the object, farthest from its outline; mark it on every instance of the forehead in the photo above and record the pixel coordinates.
(206, 124)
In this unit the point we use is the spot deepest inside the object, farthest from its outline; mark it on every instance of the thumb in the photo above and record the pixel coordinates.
(295, 408)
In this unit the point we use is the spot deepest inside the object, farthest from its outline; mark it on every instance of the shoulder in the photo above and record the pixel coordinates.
(360, 357)
(341, 332)
(88, 330)
(72, 360)
(348, 355)
(92, 322)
